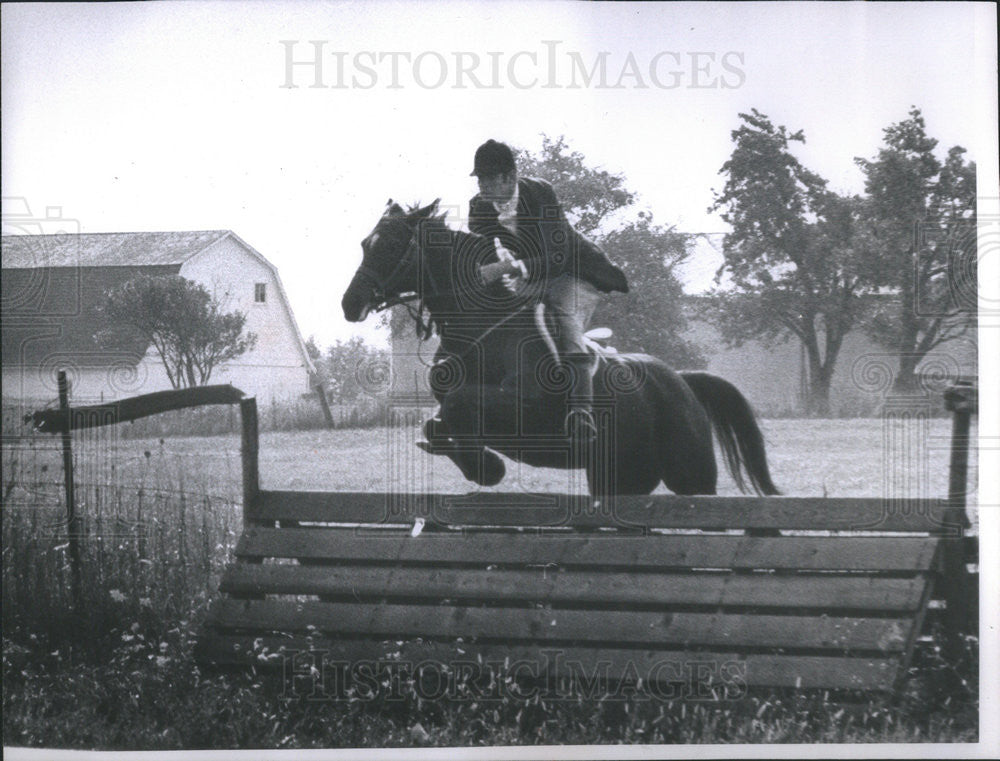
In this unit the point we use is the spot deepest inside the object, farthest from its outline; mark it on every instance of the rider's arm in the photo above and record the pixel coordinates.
(549, 256)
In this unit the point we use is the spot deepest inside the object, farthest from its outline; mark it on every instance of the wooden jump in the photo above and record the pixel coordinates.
(761, 591)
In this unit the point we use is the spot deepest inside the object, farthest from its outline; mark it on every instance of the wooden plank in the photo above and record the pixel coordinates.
(542, 585)
(133, 408)
(728, 672)
(632, 627)
(897, 554)
(655, 511)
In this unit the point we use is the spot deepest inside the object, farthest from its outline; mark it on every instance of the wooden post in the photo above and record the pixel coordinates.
(324, 404)
(961, 400)
(249, 455)
(72, 522)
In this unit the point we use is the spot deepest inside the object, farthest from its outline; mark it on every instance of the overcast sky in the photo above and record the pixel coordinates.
(174, 116)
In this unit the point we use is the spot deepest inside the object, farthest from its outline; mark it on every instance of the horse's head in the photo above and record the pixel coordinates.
(389, 263)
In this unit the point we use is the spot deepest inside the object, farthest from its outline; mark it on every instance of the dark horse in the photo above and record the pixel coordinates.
(501, 387)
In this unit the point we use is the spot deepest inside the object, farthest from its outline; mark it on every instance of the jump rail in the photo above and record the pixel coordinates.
(756, 591)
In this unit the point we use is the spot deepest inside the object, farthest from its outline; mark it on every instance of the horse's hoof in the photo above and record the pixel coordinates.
(491, 476)
(434, 429)
(493, 469)
(484, 468)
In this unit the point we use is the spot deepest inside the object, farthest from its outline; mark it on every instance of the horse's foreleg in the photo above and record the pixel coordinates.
(478, 464)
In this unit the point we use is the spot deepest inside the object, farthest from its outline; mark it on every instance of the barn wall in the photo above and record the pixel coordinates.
(275, 368)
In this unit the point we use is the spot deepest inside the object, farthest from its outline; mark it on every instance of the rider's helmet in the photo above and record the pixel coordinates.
(493, 158)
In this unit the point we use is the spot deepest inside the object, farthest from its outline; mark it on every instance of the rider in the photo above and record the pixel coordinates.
(561, 268)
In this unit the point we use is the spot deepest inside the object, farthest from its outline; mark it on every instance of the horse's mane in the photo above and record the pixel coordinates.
(423, 322)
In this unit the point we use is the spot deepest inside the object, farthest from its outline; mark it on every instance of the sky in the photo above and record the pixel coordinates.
(178, 115)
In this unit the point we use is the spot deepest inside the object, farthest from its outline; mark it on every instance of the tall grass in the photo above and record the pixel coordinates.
(148, 549)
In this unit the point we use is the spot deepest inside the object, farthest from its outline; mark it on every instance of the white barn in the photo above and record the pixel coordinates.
(54, 286)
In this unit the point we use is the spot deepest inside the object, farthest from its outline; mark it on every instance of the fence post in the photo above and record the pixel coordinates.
(323, 403)
(961, 401)
(249, 456)
(72, 522)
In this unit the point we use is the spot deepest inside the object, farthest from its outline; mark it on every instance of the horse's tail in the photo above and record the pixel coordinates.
(736, 426)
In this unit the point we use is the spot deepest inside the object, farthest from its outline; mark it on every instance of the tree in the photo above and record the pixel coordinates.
(924, 218)
(798, 255)
(646, 252)
(588, 196)
(649, 318)
(312, 348)
(182, 321)
(350, 368)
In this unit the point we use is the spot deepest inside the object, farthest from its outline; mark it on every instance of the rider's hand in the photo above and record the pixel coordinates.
(503, 254)
(515, 267)
(512, 283)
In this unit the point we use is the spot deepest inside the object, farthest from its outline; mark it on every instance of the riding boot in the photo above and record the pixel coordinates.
(580, 425)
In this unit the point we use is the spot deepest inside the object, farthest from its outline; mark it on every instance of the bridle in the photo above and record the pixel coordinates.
(381, 286)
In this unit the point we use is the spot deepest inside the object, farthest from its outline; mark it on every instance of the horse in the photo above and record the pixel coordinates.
(501, 387)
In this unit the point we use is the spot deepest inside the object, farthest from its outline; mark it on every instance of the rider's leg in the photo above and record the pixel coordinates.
(572, 302)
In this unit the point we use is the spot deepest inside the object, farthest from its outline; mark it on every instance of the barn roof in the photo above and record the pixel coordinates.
(105, 249)
(53, 315)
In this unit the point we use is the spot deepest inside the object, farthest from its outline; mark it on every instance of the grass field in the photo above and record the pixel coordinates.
(843, 458)
(164, 514)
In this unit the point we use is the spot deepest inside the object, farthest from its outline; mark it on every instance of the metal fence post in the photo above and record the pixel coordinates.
(72, 521)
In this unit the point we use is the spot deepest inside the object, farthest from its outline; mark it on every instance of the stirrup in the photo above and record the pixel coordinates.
(580, 426)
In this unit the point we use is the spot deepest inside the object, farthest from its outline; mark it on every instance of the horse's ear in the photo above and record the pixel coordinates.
(393, 209)
(428, 210)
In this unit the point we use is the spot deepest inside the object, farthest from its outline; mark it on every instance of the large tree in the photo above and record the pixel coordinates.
(348, 369)
(649, 318)
(189, 329)
(798, 257)
(923, 214)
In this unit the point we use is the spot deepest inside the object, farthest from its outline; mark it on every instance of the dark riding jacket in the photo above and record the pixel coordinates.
(545, 241)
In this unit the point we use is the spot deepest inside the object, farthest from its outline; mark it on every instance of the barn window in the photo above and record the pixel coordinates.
(260, 293)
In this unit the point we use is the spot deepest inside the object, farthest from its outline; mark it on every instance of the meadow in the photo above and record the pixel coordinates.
(163, 513)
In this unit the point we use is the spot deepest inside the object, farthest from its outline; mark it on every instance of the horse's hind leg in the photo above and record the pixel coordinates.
(689, 469)
(691, 483)
(634, 475)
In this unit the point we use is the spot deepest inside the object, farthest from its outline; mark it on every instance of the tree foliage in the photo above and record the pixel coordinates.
(348, 369)
(589, 196)
(923, 214)
(179, 317)
(799, 256)
(649, 318)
